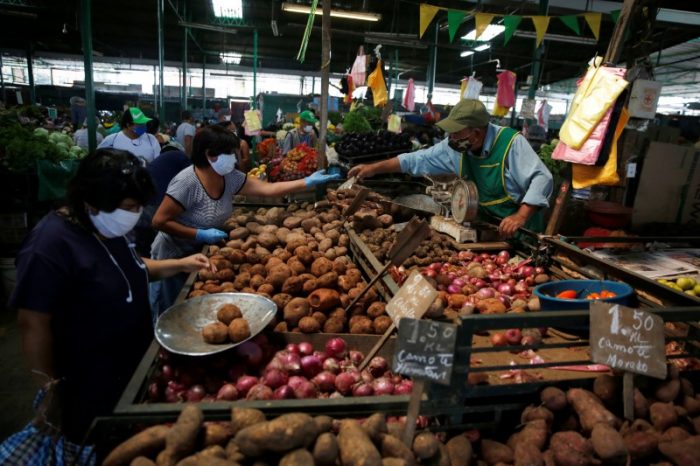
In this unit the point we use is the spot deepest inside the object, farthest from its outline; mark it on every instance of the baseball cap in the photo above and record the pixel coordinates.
(138, 116)
(468, 113)
(307, 115)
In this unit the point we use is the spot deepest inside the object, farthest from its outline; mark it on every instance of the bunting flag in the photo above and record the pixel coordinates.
(615, 15)
(511, 24)
(541, 24)
(427, 13)
(593, 20)
(482, 22)
(572, 22)
(454, 19)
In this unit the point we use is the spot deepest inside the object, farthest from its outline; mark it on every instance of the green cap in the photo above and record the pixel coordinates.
(468, 113)
(138, 116)
(307, 115)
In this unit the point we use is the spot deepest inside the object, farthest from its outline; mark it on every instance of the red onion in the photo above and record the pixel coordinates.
(505, 299)
(355, 374)
(435, 266)
(303, 389)
(454, 289)
(163, 355)
(465, 255)
(479, 283)
(336, 348)
(501, 261)
(291, 362)
(245, 383)
(505, 254)
(477, 259)
(174, 396)
(259, 392)
(363, 389)
(494, 276)
(451, 276)
(441, 288)
(320, 355)
(485, 293)
(366, 376)
(344, 382)
(186, 377)
(311, 365)
(403, 388)
(331, 365)
(498, 339)
(356, 357)
(429, 273)
(195, 393)
(275, 378)
(530, 280)
(505, 289)
(460, 282)
(378, 366)
(284, 392)
(166, 373)
(251, 353)
(520, 287)
(511, 281)
(261, 339)
(305, 348)
(490, 268)
(527, 271)
(293, 348)
(383, 386)
(485, 255)
(539, 270)
(153, 392)
(227, 392)
(336, 395)
(325, 381)
(395, 378)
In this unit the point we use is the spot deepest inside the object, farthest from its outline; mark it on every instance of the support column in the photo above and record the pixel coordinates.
(325, 70)
(391, 77)
(86, 36)
(2, 81)
(161, 59)
(535, 70)
(432, 64)
(185, 92)
(30, 74)
(204, 79)
(255, 69)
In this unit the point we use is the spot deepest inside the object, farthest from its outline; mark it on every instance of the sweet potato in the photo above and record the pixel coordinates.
(553, 398)
(495, 452)
(674, 434)
(375, 426)
(393, 447)
(145, 443)
(142, 461)
(691, 405)
(668, 391)
(460, 451)
(662, 415)
(641, 405)
(589, 409)
(534, 433)
(298, 457)
(571, 449)
(607, 388)
(537, 412)
(527, 455)
(245, 417)
(282, 434)
(217, 433)
(685, 453)
(608, 444)
(181, 439)
(355, 446)
(425, 445)
(641, 444)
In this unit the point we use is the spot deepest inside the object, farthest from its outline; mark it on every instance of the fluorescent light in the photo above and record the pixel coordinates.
(482, 47)
(558, 38)
(346, 14)
(227, 8)
(491, 31)
(466, 53)
(231, 57)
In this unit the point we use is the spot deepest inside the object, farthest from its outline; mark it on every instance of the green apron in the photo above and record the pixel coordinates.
(489, 175)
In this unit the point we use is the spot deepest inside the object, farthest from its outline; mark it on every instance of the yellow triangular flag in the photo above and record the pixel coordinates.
(541, 24)
(427, 13)
(482, 22)
(593, 20)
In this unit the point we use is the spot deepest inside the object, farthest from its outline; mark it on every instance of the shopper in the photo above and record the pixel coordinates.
(304, 134)
(80, 137)
(133, 136)
(513, 182)
(185, 132)
(82, 291)
(243, 151)
(199, 201)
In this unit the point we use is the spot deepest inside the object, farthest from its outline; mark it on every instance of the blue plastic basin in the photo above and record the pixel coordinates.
(547, 292)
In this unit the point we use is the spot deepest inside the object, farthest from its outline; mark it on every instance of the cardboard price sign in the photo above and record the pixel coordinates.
(627, 339)
(425, 350)
(413, 299)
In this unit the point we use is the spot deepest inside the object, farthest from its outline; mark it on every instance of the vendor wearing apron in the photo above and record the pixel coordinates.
(513, 182)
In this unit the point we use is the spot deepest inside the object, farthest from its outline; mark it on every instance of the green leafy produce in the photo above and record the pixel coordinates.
(41, 132)
(373, 116)
(335, 118)
(356, 123)
(556, 167)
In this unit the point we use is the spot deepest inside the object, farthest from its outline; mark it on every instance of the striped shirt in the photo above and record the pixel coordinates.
(200, 211)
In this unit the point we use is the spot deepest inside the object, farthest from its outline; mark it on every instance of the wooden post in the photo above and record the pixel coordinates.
(559, 203)
(612, 55)
(413, 411)
(325, 70)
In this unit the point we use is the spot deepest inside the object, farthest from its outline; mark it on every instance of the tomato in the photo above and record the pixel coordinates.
(607, 294)
(593, 296)
(567, 294)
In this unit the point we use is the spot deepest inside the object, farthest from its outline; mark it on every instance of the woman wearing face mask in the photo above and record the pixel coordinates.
(199, 200)
(82, 291)
(133, 136)
(304, 134)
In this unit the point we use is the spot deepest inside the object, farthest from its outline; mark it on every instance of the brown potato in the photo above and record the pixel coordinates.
(309, 325)
(227, 313)
(320, 317)
(281, 299)
(266, 289)
(321, 266)
(238, 330)
(334, 325)
(256, 281)
(376, 309)
(195, 293)
(327, 280)
(295, 310)
(295, 264)
(215, 333)
(303, 253)
(292, 285)
(278, 275)
(310, 285)
(381, 324)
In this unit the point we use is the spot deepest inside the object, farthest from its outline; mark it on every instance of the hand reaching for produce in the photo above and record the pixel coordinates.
(195, 263)
(319, 177)
(210, 236)
(361, 171)
(510, 225)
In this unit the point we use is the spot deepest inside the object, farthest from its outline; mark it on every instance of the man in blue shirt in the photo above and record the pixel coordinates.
(513, 182)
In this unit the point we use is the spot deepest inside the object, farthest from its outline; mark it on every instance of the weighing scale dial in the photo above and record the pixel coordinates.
(465, 201)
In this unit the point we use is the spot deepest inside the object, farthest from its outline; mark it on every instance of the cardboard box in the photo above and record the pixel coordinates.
(669, 190)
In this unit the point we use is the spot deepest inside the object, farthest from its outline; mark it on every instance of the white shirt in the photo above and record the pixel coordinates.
(80, 138)
(185, 129)
(146, 146)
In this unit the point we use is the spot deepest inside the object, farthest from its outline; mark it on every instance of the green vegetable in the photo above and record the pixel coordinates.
(41, 132)
(556, 167)
(356, 123)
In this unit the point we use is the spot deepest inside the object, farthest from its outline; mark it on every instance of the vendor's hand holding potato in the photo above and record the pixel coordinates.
(361, 171)
(195, 263)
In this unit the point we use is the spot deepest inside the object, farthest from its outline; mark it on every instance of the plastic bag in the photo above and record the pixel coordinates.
(375, 81)
(252, 123)
(394, 124)
(359, 70)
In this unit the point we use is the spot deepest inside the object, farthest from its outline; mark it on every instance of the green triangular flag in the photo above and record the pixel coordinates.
(615, 15)
(572, 22)
(511, 23)
(454, 19)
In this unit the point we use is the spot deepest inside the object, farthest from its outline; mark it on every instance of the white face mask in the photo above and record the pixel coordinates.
(308, 128)
(116, 223)
(224, 164)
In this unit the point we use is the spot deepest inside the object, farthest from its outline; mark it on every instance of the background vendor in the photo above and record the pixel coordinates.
(304, 134)
(513, 182)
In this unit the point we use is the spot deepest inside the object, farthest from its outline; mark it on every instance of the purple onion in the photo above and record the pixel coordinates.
(344, 382)
(378, 366)
(505, 289)
(259, 392)
(311, 365)
(227, 392)
(284, 392)
(275, 378)
(485, 293)
(363, 389)
(305, 348)
(245, 383)
(383, 386)
(336, 347)
(195, 393)
(325, 381)
(331, 365)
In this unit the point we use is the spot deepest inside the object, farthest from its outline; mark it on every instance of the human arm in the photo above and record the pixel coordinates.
(255, 187)
(244, 159)
(187, 144)
(511, 223)
(363, 170)
(37, 343)
(159, 269)
(165, 219)
(528, 180)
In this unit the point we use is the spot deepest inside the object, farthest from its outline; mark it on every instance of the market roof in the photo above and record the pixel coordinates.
(128, 29)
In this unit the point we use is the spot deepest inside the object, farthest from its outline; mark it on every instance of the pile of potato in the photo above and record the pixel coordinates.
(374, 212)
(436, 248)
(298, 258)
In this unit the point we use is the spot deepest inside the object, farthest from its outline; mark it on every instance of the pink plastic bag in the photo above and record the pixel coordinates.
(590, 150)
(409, 97)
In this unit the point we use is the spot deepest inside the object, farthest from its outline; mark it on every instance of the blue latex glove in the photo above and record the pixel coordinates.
(210, 236)
(319, 177)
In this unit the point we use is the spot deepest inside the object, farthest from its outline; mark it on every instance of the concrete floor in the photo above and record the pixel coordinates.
(17, 388)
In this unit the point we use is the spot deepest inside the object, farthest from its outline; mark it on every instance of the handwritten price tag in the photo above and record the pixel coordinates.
(425, 350)
(413, 299)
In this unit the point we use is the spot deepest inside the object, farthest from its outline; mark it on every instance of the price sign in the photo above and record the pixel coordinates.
(413, 299)
(627, 339)
(425, 350)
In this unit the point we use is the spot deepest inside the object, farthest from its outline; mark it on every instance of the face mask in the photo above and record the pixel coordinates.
(461, 145)
(308, 128)
(139, 130)
(224, 164)
(116, 223)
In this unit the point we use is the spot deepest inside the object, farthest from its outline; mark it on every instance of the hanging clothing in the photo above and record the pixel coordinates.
(409, 96)
(375, 81)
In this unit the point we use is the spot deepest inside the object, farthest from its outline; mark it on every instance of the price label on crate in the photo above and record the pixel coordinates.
(627, 339)
(425, 350)
(413, 299)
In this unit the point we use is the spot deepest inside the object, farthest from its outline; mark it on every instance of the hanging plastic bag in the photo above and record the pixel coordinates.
(359, 68)
(584, 176)
(470, 88)
(252, 123)
(589, 151)
(409, 96)
(375, 81)
(394, 123)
